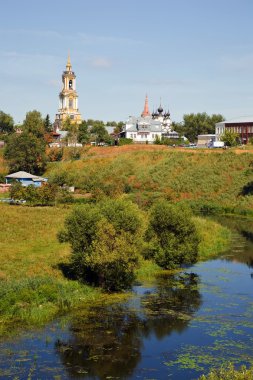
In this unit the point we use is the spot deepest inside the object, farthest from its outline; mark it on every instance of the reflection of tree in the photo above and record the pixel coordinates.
(108, 341)
(106, 344)
(171, 307)
(242, 248)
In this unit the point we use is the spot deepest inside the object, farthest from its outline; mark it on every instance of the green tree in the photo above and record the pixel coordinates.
(26, 152)
(99, 133)
(83, 133)
(47, 124)
(34, 124)
(105, 240)
(197, 124)
(114, 257)
(172, 236)
(230, 138)
(6, 123)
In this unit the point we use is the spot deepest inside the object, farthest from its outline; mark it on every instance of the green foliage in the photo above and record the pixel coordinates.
(214, 238)
(230, 138)
(125, 141)
(99, 133)
(47, 124)
(26, 152)
(55, 154)
(168, 141)
(60, 178)
(46, 195)
(17, 190)
(34, 124)
(37, 299)
(105, 242)
(172, 236)
(83, 133)
(229, 373)
(197, 124)
(6, 123)
(210, 183)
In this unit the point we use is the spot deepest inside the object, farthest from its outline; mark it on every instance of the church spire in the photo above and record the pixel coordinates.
(68, 65)
(146, 110)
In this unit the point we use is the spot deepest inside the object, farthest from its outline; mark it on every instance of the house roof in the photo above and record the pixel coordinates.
(25, 175)
(242, 119)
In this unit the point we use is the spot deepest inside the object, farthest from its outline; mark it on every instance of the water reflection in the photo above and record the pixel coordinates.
(108, 341)
(242, 245)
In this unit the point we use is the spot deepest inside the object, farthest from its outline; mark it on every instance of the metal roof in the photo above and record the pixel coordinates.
(25, 175)
(242, 119)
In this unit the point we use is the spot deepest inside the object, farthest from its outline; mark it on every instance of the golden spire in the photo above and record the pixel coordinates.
(68, 66)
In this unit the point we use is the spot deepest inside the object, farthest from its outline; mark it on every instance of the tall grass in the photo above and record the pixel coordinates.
(215, 238)
(145, 175)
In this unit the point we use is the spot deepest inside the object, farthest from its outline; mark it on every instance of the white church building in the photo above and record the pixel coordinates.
(149, 127)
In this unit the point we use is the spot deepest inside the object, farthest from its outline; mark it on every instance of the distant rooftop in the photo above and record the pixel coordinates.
(25, 175)
(242, 119)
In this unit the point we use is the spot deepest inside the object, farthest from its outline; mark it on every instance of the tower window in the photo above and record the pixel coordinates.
(70, 103)
(70, 83)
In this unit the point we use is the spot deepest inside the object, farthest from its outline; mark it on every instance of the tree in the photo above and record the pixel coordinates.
(34, 124)
(196, 124)
(172, 236)
(105, 241)
(83, 133)
(230, 138)
(100, 133)
(26, 152)
(47, 124)
(6, 123)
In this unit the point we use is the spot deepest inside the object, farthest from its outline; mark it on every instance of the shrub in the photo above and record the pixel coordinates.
(45, 195)
(55, 154)
(125, 141)
(105, 241)
(172, 236)
(229, 373)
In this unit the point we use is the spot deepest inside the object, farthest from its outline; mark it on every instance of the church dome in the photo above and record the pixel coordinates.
(160, 109)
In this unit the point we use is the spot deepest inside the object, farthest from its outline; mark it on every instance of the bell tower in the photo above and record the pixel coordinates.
(68, 98)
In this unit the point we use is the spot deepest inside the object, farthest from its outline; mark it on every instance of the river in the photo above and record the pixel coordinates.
(176, 328)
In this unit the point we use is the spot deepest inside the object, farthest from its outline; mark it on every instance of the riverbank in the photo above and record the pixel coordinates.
(33, 288)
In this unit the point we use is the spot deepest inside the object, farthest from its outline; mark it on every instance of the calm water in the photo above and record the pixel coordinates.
(176, 328)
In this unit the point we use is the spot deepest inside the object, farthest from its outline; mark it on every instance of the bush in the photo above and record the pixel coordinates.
(45, 195)
(105, 242)
(172, 236)
(125, 141)
(55, 154)
(229, 373)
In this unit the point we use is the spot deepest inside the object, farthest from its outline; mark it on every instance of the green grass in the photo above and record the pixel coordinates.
(36, 300)
(146, 175)
(215, 239)
(32, 287)
(147, 271)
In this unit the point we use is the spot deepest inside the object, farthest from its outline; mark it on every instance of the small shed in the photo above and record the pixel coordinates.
(25, 179)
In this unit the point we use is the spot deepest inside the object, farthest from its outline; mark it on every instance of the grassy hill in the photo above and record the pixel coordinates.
(146, 173)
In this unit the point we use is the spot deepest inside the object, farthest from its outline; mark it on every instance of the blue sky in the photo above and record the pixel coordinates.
(196, 55)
